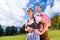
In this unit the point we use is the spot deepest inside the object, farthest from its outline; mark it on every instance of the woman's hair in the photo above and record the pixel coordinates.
(29, 9)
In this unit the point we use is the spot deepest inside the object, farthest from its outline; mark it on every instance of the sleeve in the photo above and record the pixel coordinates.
(38, 19)
(26, 23)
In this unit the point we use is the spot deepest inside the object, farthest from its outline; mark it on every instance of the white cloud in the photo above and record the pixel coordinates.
(12, 13)
(50, 11)
(49, 2)
(37, 0)
(56, 6)
(43, 3)
(31, 5)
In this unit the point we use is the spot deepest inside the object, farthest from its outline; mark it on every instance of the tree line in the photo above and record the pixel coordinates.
(11, 30)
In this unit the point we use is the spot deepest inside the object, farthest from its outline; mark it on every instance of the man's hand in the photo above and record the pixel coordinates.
(37, 32)
(29, 29)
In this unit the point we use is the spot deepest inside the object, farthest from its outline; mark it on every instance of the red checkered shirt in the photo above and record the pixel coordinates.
(45, 17)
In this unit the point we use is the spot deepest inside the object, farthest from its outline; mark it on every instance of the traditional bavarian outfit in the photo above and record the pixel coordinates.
(33, 24)
(41, 26)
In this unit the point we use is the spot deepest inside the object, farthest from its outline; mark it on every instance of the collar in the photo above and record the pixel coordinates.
(39, 14)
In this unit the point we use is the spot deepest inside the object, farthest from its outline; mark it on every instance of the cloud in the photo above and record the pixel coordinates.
(49, 2)
(43, 3)
(37, 0)
(12, 13)
(31, 5)
(51, 11)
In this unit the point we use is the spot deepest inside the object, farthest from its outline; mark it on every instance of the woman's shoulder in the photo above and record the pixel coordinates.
(26, 22)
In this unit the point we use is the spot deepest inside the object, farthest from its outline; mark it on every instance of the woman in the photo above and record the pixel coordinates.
(32, 26)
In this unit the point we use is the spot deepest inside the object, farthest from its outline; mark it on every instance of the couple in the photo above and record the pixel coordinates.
(37, 26)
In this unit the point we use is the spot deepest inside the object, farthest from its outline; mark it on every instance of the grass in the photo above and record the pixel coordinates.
(53, 34)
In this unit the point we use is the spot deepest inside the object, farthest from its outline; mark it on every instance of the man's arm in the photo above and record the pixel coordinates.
(46, 25)
(42, 20)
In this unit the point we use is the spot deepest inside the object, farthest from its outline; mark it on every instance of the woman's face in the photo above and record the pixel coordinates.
(30, 13)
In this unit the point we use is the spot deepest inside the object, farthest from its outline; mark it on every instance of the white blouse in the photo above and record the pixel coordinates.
(37, 19)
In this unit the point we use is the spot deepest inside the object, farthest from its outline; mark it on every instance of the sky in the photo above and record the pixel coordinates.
(13, 12)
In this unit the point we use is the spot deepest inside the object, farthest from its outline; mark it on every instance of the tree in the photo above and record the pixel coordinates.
(55, 22)
(15, 30)
(1, 31)
(58, 21)
(22, 29)
(12, 31)
(7, 30)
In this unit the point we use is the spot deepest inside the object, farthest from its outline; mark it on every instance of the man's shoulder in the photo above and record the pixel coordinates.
(44, 15)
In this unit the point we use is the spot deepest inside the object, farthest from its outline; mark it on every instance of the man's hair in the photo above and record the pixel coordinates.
(38, 5)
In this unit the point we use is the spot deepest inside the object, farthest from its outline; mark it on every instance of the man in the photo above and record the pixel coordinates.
(44, 36)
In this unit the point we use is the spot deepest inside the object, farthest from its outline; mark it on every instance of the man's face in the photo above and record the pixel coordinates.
(38, 9)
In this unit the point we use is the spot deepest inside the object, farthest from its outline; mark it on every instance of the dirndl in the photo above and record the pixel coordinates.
(33, 36)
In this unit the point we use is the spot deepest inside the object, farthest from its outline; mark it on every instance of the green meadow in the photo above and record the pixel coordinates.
(53, 34)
